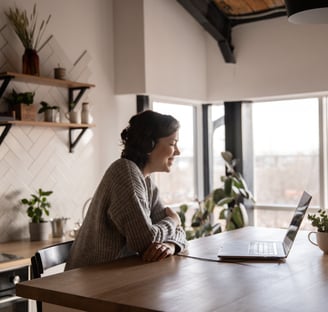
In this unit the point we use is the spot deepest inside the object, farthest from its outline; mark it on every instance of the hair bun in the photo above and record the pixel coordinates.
(124, 134)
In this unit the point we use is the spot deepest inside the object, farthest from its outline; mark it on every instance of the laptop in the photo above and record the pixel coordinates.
(268, 249)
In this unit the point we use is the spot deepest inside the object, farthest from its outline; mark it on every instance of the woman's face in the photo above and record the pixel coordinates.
(162, 156)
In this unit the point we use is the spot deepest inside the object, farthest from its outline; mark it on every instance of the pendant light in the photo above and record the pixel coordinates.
(307, 11)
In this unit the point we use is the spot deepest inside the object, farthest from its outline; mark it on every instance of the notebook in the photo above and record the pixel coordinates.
(268, 249)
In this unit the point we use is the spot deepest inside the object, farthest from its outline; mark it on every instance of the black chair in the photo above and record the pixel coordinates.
(47, 258)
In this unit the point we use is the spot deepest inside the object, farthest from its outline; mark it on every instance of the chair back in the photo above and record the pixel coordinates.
(47, 258)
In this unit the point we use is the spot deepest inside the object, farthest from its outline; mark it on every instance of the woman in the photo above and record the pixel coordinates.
(126, 216)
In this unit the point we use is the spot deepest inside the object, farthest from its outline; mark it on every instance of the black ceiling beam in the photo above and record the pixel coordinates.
(214, 22)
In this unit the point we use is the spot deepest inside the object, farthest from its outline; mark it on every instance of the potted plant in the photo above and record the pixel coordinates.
(38, 205)
(25, 27)
(320, 222)
(201, 221)
(232, 194)
(21, 105)
(50, 112)
(229, 197)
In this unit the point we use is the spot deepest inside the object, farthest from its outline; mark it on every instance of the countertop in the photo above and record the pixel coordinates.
(25, 249)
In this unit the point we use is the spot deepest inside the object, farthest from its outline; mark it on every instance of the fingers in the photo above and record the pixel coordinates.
(156, 252)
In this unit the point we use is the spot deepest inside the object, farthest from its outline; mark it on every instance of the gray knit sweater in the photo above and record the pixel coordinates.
(124, 218)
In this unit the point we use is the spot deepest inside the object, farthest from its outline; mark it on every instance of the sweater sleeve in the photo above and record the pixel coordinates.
(158, 213)
(130, 209)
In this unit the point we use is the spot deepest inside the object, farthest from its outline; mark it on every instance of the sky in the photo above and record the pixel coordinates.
(286, 127)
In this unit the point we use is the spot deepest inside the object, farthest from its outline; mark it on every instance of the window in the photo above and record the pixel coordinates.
(289, 155)
(218, 144)
(286, 151)
(179, 186)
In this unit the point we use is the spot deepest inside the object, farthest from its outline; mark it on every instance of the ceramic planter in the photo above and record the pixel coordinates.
(39, 231)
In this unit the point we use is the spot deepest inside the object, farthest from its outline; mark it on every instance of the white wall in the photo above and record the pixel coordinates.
(129, 48)
(273, 58)
(168, 58)
(175, 51)
(33, 157)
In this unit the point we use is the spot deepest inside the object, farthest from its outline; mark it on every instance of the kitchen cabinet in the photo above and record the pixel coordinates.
(15, 263)
(75, 92)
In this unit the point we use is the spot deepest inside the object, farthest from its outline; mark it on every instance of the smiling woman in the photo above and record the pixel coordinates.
(126, 215)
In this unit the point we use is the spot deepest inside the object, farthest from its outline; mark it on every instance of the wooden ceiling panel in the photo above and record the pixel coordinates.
(246, 7)
(218, 17)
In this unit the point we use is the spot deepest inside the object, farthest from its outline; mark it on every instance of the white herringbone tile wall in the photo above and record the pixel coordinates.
(38, 157)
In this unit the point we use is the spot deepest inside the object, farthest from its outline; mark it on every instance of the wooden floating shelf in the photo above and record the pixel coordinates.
(46, 80)
(47, 124)
(75, 92)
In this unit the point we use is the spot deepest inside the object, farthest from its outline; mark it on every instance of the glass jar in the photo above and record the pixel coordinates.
(31, 62)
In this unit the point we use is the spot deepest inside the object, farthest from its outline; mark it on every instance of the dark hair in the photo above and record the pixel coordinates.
(142, 134)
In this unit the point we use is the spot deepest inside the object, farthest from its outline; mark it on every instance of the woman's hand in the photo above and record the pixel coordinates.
(171, 213)
(158, 251)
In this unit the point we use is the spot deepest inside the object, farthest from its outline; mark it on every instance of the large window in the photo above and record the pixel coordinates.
(289, 154)
(286, 151)
(179, 186)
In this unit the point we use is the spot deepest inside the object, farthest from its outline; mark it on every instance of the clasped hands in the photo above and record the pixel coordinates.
(158, 251)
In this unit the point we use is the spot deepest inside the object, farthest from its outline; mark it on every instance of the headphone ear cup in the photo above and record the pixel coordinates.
(147, 145)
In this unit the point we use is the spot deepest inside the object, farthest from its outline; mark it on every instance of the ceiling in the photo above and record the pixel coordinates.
(248, 10)
(218, 17)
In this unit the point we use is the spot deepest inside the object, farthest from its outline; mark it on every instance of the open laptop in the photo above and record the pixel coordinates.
(268, 249)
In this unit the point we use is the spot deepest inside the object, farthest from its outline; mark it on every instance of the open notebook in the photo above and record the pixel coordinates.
(268, 249)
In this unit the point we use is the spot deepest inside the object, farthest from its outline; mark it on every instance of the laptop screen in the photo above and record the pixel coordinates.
(296, 221)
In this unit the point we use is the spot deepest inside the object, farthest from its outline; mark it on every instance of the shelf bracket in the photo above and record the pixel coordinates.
(75, 100)
(6, 79)
(4, 132)
(72, 143)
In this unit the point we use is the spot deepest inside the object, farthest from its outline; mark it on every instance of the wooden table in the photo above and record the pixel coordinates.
(181, 283)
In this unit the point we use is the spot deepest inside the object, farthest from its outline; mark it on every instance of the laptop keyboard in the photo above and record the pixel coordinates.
(263, 248)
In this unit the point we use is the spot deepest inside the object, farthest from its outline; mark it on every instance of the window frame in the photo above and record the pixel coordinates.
(199, 131)
(198, 142)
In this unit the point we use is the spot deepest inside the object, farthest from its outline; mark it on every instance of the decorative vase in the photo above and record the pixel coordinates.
(31, 62)
(86, 117)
